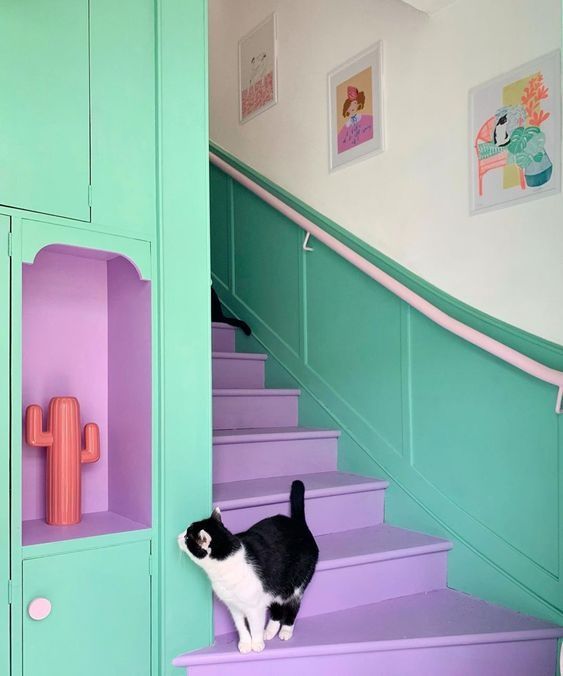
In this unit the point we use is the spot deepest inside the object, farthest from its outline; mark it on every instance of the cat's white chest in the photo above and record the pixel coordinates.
(235, 582)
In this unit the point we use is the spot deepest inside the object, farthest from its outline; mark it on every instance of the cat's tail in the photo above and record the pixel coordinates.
(297, 500)
(239, 323)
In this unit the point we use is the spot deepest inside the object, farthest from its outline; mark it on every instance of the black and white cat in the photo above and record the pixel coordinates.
(267, 567)
(501, 137)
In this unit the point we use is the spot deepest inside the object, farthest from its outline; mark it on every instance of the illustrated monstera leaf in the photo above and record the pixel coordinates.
(526, 146)
(536, 144)
(518, 141)
(523, 160)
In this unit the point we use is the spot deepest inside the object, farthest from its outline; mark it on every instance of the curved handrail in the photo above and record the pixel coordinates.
(494, 347)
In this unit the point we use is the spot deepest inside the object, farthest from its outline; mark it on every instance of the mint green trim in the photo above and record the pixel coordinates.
(82, 544)
(470, 444)
(185, 606)
(15, 293)
(533, 346)
(4, 446)
(38, 234)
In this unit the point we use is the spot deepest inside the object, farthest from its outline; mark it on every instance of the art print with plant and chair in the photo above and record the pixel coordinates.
(516, 135)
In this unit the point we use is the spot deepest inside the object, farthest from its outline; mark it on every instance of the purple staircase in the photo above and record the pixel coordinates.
(379, 602)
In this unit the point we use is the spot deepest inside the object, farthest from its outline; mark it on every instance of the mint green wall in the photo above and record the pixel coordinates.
(470, 444)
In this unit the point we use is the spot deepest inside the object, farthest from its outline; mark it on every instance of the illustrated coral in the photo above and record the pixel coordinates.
(534, 93)
(65, 455)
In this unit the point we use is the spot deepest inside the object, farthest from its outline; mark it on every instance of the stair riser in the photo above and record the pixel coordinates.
(517, 658)
(330, 514)
(341, 588)
(238, 373)
(253, 411)
(236, 462)
(222, 339)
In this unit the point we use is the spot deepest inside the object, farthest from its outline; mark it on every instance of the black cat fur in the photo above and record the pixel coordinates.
(218, 316)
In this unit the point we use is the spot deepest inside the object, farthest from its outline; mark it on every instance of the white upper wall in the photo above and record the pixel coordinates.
(429, 6)
(412, 201)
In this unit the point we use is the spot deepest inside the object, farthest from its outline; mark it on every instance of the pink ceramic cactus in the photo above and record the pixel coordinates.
(64, 455)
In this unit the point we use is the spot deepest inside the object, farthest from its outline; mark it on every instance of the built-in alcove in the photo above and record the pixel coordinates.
(86, 333)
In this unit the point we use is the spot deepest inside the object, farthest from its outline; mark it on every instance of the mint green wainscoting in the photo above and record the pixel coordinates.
(472, 446)
(83, 587)
(4, 447)
(184, 271)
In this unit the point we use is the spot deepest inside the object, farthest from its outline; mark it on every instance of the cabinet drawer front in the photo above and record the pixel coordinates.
(45, 106)
(99, 621)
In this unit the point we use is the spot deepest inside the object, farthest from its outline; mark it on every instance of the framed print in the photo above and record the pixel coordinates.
(355, 95)
(515, 135)
(257, 60)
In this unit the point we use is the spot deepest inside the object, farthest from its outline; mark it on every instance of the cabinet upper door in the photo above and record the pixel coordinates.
(45, 106)
(100, 617)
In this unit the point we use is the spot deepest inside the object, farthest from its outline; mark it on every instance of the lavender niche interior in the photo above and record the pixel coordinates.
(86, 324)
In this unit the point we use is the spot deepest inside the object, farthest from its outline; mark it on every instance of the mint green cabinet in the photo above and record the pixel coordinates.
(100, 613)
(103, 181)
(44, 107)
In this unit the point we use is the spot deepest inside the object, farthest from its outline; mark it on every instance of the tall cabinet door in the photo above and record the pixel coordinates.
(99, 620)
(4, 445)
(45, 106)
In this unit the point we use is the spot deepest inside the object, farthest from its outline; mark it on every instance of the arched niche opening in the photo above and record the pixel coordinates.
(86, 333)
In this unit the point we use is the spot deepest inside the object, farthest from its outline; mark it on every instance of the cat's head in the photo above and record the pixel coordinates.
(208, 539)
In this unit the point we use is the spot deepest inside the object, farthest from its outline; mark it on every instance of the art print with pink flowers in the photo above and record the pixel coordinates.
(257, 69)
(515, 135)
(356, 108)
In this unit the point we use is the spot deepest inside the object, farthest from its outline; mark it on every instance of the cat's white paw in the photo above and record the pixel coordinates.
(286, 632)
(258, 646)
(244, 647)
(271, 630)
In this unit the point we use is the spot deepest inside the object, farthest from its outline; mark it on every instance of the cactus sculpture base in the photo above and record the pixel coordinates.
(65, 454)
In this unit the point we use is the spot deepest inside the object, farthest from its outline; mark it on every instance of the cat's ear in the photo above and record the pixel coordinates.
(216, 514)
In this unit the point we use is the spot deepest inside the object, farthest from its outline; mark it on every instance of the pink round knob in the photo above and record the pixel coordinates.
(39, 608)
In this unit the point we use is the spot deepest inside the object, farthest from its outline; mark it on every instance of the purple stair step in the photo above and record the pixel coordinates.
(254, 454)
(254, 408)
(222, 337)
(364, 566)
(238, 370)
(335, 501)
(439, 633)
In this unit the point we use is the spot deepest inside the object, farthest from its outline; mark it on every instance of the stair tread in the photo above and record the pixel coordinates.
(438, 618)
(374, 543)
(250, 356)
(254, 392)
(272, 434)
(251, 492)
(222, 325)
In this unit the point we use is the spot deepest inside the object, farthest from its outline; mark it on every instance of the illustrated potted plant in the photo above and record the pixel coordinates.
(527, 144)
(527, 150)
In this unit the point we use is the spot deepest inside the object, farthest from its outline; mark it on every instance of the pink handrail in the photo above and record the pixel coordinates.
(494, 347)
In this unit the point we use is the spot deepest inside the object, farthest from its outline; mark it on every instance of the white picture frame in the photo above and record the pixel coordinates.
(353, 87)
(501, 113)
(258, 69)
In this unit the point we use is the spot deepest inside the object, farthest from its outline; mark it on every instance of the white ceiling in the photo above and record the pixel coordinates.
(429, 6)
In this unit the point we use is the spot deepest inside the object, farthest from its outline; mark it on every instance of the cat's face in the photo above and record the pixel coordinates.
(207, 539)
